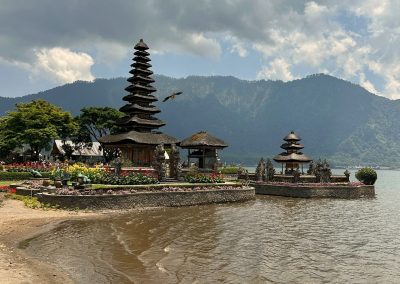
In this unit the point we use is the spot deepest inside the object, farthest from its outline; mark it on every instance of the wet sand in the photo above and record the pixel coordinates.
(19, 223)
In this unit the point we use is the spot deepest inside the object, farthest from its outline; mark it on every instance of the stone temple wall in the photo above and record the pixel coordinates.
(335, 191)
(148, 199)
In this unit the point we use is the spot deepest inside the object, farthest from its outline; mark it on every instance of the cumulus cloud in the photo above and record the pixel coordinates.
(278, 69)
(64, 65)
(351, 40)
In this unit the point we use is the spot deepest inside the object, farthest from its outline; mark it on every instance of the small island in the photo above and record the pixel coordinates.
(292, 181)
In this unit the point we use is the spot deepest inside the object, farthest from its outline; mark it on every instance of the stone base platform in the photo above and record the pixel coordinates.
(148, 199)
(315, 191)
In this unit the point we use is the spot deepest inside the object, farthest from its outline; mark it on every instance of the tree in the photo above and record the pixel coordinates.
(8, 141)
(95, 122)
(36, 124)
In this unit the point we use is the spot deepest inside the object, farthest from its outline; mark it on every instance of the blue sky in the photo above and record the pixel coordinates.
(46, 43)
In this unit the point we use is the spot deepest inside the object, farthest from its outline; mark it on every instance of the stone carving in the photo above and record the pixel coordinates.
(260, 170)
(296, 176)
(322, 171)
(269, 171)
(117, 166)
(159, 163)
(175, 163)
(347, 174)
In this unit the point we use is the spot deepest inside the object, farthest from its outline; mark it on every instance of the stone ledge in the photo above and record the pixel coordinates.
(148, 199)
(323, 191)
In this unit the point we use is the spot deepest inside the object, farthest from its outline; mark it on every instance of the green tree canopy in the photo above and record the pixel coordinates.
(36, 124)
(95, 122)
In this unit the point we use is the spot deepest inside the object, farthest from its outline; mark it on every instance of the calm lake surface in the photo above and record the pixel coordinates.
(268, 240)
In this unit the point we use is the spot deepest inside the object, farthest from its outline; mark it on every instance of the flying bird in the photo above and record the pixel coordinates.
(172, 96)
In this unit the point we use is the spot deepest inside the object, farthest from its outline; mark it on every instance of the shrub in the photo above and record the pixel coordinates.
(202, 178)
(30, 202)
(230, 170)
(367, 176)
(126, 179)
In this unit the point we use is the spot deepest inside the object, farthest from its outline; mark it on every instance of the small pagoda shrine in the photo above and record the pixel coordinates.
(138, 136)
(292, 159)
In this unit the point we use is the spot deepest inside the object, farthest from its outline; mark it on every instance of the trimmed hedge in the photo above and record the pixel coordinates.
(20, 175)
(367, 176)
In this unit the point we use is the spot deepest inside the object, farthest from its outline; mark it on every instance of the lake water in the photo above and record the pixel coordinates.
(268, 240)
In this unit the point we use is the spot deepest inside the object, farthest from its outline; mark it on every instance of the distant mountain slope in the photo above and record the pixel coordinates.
(335, 118)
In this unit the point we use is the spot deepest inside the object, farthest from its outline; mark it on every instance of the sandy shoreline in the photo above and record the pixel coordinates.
(19, 223)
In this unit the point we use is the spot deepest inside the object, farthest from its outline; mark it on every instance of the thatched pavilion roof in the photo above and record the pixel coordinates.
(202, 139)
(292, 137)
(147, 138)
(292, 158)
(292, 146)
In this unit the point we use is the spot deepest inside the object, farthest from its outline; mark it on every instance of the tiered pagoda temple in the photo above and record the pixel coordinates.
(292, 159)
(138, 137)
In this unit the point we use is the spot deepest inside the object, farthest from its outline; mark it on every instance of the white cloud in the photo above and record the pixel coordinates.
(237, 46)
(355, 40)
(367, 84)
(278, 69)
(64, 65)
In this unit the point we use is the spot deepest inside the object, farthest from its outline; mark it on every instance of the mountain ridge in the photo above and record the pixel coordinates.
(337, 119)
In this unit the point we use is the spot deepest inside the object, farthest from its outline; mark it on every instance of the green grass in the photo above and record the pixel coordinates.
(31, 202)
(8, 182)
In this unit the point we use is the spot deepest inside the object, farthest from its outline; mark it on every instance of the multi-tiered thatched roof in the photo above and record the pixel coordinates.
(139, 123)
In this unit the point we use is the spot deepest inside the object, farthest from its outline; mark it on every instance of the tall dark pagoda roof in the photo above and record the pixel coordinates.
(148, 138)
(141, 53)
(139, 122)
(141, 45)
(140, 97)
(126, 121)
(139, 87)
(142, 65)
(139, 108)
(141, 71)
(141, 58)
(140, 79)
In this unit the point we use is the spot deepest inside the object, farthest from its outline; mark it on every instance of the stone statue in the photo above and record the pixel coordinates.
(322, 171)
(35, 174)
(270, 171)
(117, 166)
(347, 174)
(175, 163)
(159, 163)
(260, 170)
(296, 176)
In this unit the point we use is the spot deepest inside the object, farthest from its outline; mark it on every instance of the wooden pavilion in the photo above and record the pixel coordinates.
(292, 159)
(203, 147)
(138, 136)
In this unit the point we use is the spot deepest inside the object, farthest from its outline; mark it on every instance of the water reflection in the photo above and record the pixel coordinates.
(271, 239)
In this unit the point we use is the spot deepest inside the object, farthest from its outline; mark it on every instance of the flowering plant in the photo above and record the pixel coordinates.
(28, 166)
